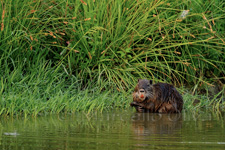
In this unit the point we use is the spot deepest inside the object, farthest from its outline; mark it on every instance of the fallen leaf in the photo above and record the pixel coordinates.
(89, 55)
(210, 38)
(149, 39)
(87, 19)
(83, 2)
(65, 22)
(213, 22)
(177, 52)
(192, 35)
(51, 33)
(103, 52)
(33, 11)
(31, 38)
(3, 14)
(62, 33)
(2, 26)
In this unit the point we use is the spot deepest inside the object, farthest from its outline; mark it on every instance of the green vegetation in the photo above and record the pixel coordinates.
(72, 55)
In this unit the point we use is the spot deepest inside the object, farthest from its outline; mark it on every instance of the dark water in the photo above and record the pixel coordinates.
(114, 130)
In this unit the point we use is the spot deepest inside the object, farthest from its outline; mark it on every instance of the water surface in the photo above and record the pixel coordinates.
(123, 129)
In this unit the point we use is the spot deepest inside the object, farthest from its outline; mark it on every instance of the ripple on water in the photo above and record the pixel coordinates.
(123, 130)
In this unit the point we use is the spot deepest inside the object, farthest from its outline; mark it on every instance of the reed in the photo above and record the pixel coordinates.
(72, 55)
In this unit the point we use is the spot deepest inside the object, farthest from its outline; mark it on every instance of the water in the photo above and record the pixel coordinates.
(122, 129)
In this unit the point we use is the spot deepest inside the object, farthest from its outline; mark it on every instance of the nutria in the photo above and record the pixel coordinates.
(158, 98)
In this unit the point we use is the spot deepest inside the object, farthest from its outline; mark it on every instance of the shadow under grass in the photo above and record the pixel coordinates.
(48, 91)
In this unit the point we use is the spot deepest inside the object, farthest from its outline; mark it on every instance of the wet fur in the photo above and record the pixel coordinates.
(159, 98)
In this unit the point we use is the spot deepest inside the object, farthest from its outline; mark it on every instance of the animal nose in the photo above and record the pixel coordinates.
(141, 90)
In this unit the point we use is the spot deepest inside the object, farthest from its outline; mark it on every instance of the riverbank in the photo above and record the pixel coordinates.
(46, 91)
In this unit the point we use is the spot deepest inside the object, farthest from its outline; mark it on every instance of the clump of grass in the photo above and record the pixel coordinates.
(47, 47)
(196, 102)
(181, 42)
(46, 91)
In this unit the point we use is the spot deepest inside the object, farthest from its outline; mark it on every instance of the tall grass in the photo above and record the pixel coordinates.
(56, 48)
(45, 91)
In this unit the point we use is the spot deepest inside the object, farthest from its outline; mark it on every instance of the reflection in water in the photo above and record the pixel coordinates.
(123, 129)
(147, 124)
(155, 127)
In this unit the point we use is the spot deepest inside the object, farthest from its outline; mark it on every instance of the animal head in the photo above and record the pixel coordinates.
(144, 90)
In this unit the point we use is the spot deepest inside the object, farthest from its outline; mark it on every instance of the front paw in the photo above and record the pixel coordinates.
(140, 109)
(133, 104)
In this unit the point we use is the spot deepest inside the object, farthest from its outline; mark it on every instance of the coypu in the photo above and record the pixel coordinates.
(158, 98)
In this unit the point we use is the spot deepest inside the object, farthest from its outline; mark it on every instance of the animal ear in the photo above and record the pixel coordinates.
(150, 81)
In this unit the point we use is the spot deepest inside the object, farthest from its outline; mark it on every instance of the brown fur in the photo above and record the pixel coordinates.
(158, 98)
